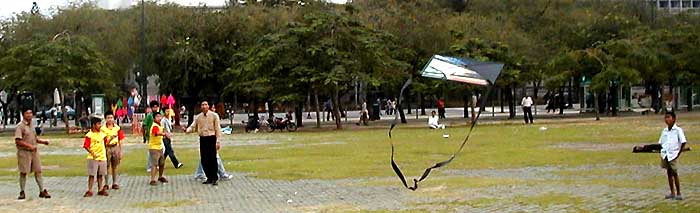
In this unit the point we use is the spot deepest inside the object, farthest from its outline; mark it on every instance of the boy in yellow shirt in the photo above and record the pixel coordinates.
(115, 136)
(155, 148)
(97, 156)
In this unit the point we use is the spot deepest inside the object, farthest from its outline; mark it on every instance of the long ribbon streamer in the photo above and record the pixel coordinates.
(395, 166)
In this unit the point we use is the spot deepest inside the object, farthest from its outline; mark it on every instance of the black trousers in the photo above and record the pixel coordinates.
(527, 114)
(441, 113)
(207, 152)
(169, 152)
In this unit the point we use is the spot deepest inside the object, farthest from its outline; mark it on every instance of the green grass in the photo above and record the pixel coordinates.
(365, 153)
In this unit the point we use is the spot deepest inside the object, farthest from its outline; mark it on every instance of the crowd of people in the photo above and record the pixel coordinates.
(104, 146)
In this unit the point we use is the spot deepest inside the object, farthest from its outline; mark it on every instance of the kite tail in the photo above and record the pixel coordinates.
(427, 171)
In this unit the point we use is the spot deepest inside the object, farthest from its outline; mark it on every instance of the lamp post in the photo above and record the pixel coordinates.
(142, 72)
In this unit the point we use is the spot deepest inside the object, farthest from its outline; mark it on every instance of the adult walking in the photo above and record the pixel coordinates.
(207, 126)
(28, 160)
(526, 103)
(441, 108)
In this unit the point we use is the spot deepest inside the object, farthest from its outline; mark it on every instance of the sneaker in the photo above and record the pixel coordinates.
(669, 196)
(678, 197)
(179, 165)
(105, 188)
(21, 196)
(44, 194)
(206, 182)
(200, 178)
(103, 193)
(162, 180)
(88, 194)
(225, 177)
(153, 183)
(214, 183)
(115, 186)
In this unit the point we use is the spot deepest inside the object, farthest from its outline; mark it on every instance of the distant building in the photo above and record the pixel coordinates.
(677, 5)
(114, 4)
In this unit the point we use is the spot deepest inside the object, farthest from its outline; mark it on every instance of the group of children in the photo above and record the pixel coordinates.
(104, 147)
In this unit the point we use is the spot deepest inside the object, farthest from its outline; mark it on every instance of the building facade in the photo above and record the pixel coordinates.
(677, 5)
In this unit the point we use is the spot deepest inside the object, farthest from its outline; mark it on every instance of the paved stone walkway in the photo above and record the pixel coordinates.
(247, 194)
(183, 194)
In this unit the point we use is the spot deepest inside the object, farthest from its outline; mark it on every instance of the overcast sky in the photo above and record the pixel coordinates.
(8, 7)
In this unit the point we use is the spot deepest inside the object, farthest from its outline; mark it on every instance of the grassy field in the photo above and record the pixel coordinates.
(364, 154)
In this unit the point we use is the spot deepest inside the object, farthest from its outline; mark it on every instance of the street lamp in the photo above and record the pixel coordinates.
(143, 78)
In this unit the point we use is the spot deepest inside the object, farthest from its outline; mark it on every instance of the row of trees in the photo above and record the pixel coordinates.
(288, 51)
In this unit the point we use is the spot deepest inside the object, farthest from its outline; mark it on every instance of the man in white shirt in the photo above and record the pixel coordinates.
(672, 141)
(433, 121)
(526, 103)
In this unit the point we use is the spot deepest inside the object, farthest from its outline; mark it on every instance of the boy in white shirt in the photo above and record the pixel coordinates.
(672, 141)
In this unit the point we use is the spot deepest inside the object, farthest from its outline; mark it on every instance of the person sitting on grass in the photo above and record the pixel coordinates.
(155, 149)
(433, 121)
(672, 141)
(97, 157)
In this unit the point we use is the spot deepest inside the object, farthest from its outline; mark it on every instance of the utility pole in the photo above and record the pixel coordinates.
(142, 76)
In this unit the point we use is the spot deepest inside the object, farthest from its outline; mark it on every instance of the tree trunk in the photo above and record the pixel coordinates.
(299, 114)
(318, 110)
(270, 111)
(500, 99)
(254, 107)
(80, 107)
(595, 102)
(570, 95)
(422, 104)
(176, 109)
(671, 87)
(561, 101)
(465, 99)
(613, 91)
(190, 114)
(408, 103)
(336, 110)
(511, 103)
(655, 101)
(401, 114)
(689, 98)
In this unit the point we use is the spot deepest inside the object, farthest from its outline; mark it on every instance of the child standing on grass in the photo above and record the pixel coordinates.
(672, 141)
(94, 144)
(155, 149)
